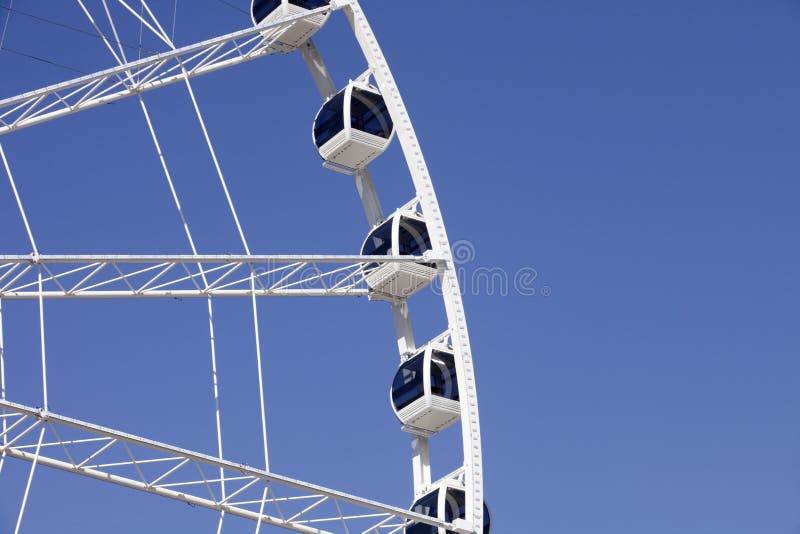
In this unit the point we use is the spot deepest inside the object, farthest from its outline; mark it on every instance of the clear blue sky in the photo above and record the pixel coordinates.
(642, 157)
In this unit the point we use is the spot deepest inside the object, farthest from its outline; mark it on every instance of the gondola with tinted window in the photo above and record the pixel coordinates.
(287, 39)
(404, 233)
(424, 391)
(353, 127)
(447, 503)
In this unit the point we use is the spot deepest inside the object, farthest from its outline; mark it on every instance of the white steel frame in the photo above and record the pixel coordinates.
(65, 277)
(136, 77)
(187, 276)
(168, 471)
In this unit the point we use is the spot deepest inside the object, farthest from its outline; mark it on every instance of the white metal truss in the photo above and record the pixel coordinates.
(63, 277)
(168, 471)
(136, 77)
(71, 277)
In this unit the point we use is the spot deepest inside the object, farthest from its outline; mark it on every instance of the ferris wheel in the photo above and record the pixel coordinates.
(403, 252)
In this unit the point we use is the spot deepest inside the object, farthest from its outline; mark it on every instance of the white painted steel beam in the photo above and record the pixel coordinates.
(189, 276)
(138, 463)
(110, 85)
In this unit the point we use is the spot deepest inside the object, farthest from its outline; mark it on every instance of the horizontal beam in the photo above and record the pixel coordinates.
(211, 258)
(128, 460)
(135, 77)
(189, 276)
(188, 294)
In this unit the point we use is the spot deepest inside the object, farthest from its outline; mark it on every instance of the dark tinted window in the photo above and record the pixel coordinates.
(454, 505)
(368, 113)
(262, 8)
(310, 4)
(408, 384)
(427, 505)
(443, 375)
(413, 237)
(455, 508)
(330, 120)
(379, 242)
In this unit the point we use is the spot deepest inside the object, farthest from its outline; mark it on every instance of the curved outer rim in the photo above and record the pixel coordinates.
(420, 175)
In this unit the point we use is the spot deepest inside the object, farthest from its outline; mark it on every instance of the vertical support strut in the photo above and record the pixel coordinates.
(42, 343)
(369, 197)
(32, 241)
(470, 423)
(421, 464)
(318, 70)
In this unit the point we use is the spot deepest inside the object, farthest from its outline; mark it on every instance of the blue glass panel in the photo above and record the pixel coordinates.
(310, 4)
(454, 505)
(379, 242)
(413, 239)
(408, 384)
(428, 505)
(368, 113)
(443, 375)
(330, 120)
(455, 508)
(262, 8)
(412, 235)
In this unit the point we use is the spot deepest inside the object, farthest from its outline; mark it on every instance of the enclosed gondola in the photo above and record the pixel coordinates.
(288, 39)
(353, 127)
(446, 502)
(425, 390)
(404, 233)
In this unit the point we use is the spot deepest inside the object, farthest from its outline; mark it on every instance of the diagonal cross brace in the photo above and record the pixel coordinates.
(134, 446)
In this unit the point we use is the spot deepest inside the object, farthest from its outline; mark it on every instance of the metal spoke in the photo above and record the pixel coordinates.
(197, 491)
(156, 71)
(156, 276)
(161, 469)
